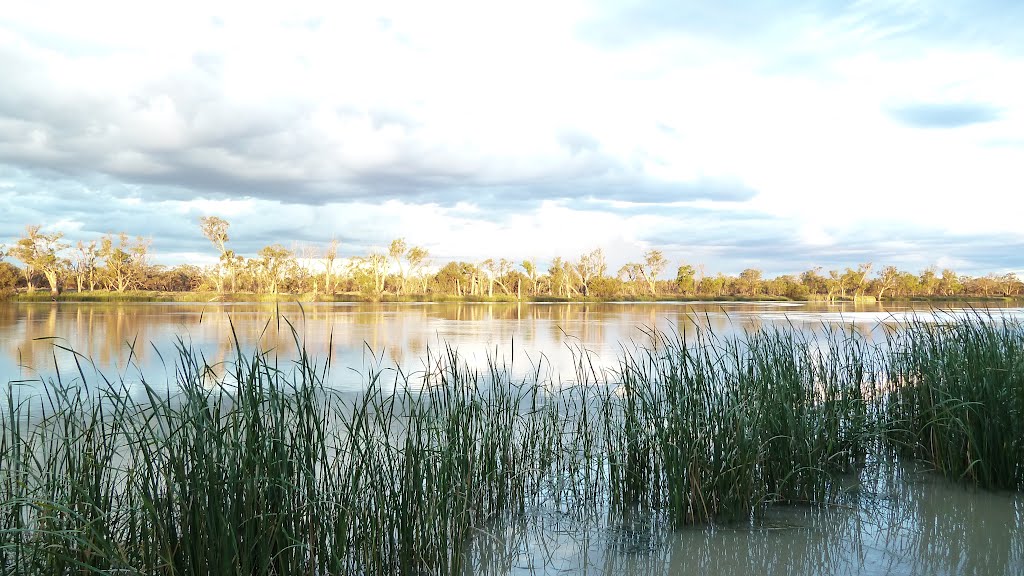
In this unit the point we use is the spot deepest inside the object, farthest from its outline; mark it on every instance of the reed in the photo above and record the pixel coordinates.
(712, 428)
(957, 398)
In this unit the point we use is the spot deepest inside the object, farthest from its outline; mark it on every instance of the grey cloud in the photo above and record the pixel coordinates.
(944, 115)
(181, 135)
(772, 246)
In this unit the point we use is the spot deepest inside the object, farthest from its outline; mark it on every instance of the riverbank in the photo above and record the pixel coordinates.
(153, 296)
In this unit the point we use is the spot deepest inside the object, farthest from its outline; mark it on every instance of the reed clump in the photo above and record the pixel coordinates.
(712, 428)
(956, 396)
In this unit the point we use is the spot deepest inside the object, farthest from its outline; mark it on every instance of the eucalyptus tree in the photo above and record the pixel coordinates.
(410, 260)
(835, 283)
(949, 283)
(857, 279)
(330, 255)
(9, 277)
(419, 260)
(929, 281)
(216, 231)
(630, 274)
(530, 267)
(686, 279)
(456, 278)
(589, 266)
(888, 278)
(714, 285)
(814, 281)
(274, 261)
(496, 272)
(306, 275)
(83, 266)
(654, 264)
(397, 252)
(124, 261)
(41, 252)
(750, 281)
(560, 274)
(369, 272)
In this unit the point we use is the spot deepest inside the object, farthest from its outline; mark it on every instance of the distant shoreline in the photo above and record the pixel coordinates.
(243, 297)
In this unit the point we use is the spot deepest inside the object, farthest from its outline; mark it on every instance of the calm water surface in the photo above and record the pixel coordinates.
(126, 339)
(905, 523)
(896, 522)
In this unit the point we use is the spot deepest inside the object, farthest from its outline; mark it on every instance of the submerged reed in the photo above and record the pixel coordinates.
(266, 469)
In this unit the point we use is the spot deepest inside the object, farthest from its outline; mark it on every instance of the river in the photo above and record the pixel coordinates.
(901, 522)
(129, 340)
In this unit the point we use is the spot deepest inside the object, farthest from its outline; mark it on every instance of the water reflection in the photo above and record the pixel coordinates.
(899, 523)
(127, 339)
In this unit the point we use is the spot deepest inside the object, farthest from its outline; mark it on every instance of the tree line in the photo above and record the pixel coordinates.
(118, 263)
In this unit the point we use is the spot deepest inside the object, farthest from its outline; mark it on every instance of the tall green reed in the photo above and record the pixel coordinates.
(956, 396)
(710, 427)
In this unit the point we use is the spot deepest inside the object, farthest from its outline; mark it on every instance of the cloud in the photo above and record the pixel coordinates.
(738, 134)
(948, 115)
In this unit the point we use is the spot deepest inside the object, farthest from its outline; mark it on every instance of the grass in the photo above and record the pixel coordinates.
(254, 467)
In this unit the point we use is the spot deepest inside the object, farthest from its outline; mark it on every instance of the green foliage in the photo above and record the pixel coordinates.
(10, 276)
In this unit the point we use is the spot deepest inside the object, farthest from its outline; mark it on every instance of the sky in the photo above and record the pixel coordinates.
(773, 134)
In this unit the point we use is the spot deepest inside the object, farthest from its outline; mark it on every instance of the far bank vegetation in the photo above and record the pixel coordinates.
(116, 265)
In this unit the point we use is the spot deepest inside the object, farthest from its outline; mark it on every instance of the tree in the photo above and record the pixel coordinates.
(929, 281)
(410, 261)
(714, 285)
(834, 283)
(307, 278)
(397, 252)
(530, 266)
(496, 271)
(455, 278)
(124, 262)
(216, 231)
(888, 278)
(330, 254)
(630, 274)
(590, 265)
(814, 281)
(41, 252)
(370, 272)
(950, 283)
(84, 265)
(418, 261)
(654, 264)
(750, 281)
(686, 279)
(273, 262)
(857, 279)
(559, 275)
(9, 277)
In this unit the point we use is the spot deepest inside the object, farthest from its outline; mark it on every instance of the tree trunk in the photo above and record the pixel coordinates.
(51, 278)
